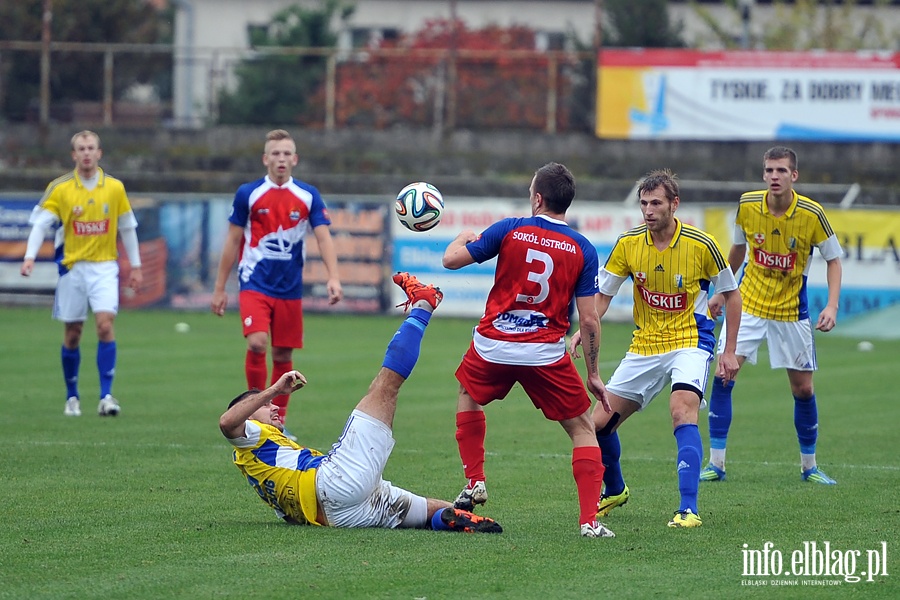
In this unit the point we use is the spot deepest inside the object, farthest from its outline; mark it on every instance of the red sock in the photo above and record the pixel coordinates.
(279, 369)
(588, 471)
(470, 431)
(256, 371)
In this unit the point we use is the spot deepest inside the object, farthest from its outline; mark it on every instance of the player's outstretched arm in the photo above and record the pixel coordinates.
(231, 423)
(457, 256)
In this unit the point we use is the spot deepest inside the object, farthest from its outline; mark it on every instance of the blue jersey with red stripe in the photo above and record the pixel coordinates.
(542, 263)
(276, 220)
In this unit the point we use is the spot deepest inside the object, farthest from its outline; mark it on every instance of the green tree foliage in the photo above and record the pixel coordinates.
(805, 25)
(276, 87)
(79, 75)
(641, 24)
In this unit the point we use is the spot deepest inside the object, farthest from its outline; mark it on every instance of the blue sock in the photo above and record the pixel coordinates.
(403, 349)
(806, 421)
(690, 453)
(436, 523)
(106, 364)
(71, 362)
(719, 413)
(611, 450)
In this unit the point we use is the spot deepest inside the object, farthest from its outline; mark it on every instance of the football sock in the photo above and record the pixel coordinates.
(806, 422)
(106, 365)
(403, 349)
(471, 428)
(690, 453)
(71, 361)
(587, 468)
(279, 369)
(611, 451)
(255, 370)
(437, 523)
(719, 420)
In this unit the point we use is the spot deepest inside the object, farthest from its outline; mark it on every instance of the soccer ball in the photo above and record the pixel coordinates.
(419, 206)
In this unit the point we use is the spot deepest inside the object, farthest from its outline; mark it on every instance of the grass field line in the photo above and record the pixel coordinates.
(544, 455)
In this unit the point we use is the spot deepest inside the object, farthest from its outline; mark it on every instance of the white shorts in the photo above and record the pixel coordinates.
(641, 378)
(349, 483)
(94, 283)
(791, 343)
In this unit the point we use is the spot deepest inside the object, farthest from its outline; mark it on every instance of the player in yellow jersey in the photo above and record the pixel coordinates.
(672, 266)
(781, 228)
(344, 488)
(91, 209)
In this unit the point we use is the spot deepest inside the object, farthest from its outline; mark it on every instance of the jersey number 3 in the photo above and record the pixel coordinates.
(541, 278)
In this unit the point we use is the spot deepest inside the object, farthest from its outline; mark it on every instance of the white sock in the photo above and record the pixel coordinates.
(717, 457)
(424, 305)
(807, 461)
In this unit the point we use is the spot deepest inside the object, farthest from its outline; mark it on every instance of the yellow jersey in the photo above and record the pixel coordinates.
(89, 218)
(671, 287)
(773, 285)
(281, 471)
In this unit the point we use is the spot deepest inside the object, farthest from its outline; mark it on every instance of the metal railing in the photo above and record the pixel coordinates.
(547, 91)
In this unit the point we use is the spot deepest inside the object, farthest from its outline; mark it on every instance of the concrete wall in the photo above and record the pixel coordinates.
(500, 164)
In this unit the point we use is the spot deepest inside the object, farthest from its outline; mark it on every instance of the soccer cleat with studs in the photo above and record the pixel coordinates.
(608, 502)
(108, 407)
(816, 476)
(474, 493)
(468, 522)
(685, 518)
(596, 530)
(416, 290)
(73, 407)
(712, 473)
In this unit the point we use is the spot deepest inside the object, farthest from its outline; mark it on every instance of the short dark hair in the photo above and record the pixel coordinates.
(779, 152)
(243, 395)
(556, 185)
(663, 178)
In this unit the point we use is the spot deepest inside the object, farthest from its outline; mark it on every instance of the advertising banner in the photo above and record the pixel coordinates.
(748, 95)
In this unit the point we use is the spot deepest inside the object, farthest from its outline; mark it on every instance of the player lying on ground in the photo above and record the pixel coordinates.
(344, 488)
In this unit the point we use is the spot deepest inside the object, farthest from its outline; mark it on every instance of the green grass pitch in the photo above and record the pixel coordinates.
(148, 504)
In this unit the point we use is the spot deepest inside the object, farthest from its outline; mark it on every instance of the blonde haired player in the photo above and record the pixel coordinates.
(92, 209)
(270, 218)
(781, 228)
(672, 265)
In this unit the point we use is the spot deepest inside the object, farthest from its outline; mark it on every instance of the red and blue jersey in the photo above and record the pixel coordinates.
(275, 221)
(542, 264)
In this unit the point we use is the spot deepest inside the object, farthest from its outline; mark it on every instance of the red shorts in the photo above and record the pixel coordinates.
(283, 318)
(557, 389)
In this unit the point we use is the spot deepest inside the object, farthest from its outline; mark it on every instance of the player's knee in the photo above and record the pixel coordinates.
(256, 346)
(610, 426)
(803, 392)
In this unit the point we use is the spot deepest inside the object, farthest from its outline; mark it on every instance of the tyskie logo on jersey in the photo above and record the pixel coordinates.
(661, 301)
(90, 227)
(773, 260)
